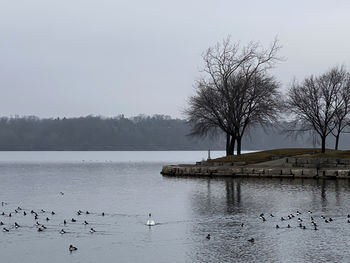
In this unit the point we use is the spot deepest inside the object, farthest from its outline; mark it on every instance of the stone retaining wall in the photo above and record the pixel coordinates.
(299, 162)
(218, 171)
(318, 162)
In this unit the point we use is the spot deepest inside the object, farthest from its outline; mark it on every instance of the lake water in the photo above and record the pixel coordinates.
(126, 186)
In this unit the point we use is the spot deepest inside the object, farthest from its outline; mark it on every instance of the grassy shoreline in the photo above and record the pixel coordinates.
(268, 155)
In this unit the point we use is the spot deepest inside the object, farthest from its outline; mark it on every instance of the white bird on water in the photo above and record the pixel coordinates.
(150, 221)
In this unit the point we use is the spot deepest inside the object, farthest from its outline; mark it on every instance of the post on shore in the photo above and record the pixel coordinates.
(209, 155)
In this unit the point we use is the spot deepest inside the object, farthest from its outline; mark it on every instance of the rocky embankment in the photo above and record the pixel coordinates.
(291, 167)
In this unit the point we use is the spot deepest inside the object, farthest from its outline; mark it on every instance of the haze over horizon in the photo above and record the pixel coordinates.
(75, 58)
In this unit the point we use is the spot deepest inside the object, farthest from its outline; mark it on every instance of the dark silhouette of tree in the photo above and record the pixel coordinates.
(342, 115)
(315, 103)
(257, 101)
(209, 113)
(230, 96)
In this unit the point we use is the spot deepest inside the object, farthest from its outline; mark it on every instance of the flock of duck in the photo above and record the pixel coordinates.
(46, 216)
(305, 220)
(308, 223)
(296, 220)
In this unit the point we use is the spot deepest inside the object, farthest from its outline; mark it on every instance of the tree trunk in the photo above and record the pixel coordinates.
(337, 141)
(228, 144)
(323, 146)
(239, 145)
(232, 145)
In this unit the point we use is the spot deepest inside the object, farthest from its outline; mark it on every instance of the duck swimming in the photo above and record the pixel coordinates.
(150, 221)
(92, 230)
(5, 230)
(72, 248)
(62, 231)
(208, 236)
(16, 225)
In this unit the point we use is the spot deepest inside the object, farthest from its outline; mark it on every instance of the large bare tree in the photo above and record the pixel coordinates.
(315, 103)
(234, 91)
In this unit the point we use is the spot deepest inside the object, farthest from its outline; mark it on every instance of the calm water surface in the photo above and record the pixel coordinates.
(127, 186)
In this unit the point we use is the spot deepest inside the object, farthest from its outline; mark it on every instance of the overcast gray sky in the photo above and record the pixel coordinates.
(110, 57)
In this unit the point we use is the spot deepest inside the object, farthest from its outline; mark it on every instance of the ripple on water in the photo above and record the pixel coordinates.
(186, 210)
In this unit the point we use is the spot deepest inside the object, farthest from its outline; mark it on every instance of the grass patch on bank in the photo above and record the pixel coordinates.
(264, 156)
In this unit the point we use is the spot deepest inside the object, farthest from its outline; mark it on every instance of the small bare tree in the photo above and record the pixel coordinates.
(315, 103)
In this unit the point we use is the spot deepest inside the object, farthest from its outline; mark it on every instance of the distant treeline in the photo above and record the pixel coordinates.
(97, 133)
(157, 132)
